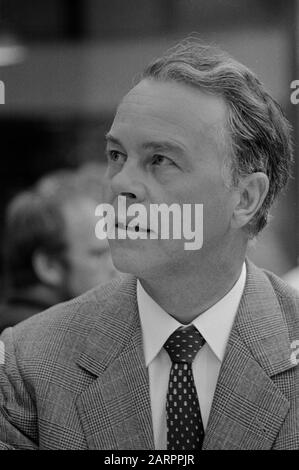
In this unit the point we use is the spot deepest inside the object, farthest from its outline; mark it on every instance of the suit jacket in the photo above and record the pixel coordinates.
(18, 308)
(74, 377)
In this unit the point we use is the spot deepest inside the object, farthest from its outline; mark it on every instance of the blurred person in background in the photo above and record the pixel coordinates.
(51, 253)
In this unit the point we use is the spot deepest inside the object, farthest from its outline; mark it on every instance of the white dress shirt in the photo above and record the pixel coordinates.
(157, 325)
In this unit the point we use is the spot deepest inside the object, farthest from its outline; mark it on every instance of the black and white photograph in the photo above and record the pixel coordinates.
(149, 227)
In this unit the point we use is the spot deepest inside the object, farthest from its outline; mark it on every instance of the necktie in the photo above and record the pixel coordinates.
(184, 424)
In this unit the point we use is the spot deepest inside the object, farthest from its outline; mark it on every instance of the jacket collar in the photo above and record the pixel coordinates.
(115, 409)
(111, 332)
(261, 325)
(250, 404)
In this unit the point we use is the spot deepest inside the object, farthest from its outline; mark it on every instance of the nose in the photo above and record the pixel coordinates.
(128, 182)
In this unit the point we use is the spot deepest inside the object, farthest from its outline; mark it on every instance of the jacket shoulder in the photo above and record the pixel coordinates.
(287, 296)
(281, 287)
(69, 322)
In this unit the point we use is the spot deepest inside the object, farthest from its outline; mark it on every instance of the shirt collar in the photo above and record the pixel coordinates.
(214, 324)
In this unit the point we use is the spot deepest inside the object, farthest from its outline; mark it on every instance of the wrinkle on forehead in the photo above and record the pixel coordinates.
(158, 102)
(190, 98)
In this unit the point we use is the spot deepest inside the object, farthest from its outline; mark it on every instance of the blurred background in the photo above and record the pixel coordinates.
(67, 63)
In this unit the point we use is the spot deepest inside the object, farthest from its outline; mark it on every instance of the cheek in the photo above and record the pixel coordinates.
(215, 198)
(217, 215)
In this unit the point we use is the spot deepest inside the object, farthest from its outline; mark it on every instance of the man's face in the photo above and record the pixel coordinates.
(88, 259)
(166, 146)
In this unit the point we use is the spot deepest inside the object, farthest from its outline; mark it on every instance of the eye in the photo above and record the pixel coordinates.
(161, 160)
(115, 156)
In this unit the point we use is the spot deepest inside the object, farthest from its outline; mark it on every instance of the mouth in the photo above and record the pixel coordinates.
(135, 229)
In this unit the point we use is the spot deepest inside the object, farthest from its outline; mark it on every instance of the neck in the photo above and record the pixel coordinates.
(191, 293)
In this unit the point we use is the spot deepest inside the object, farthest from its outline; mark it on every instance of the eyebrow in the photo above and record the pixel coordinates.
(152, 145)
(110, 138)
(164, 146)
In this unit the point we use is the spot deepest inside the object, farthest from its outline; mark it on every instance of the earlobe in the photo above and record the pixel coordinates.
(47, 269)
(253, 190)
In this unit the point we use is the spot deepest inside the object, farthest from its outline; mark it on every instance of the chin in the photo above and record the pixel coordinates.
(126, 263)
(129, 261)
(143, 260)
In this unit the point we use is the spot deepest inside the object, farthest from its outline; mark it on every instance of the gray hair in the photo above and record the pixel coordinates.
(260, 134)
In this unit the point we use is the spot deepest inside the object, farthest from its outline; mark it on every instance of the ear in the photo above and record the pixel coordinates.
(48, 269)
(252, 190)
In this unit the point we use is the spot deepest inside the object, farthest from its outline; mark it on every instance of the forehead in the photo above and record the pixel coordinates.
(170, 107)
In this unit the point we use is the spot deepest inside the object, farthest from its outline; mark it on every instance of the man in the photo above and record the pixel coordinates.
(197, 352)
(51, 253)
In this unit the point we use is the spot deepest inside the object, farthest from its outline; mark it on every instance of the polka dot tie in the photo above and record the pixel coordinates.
(184, 424)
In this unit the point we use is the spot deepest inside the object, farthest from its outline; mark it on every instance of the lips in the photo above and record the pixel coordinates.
(136, 228)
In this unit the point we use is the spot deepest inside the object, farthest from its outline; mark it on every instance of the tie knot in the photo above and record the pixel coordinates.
(184, 344)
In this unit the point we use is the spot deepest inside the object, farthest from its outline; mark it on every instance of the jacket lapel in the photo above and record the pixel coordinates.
(115, 409)
(248, 407)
